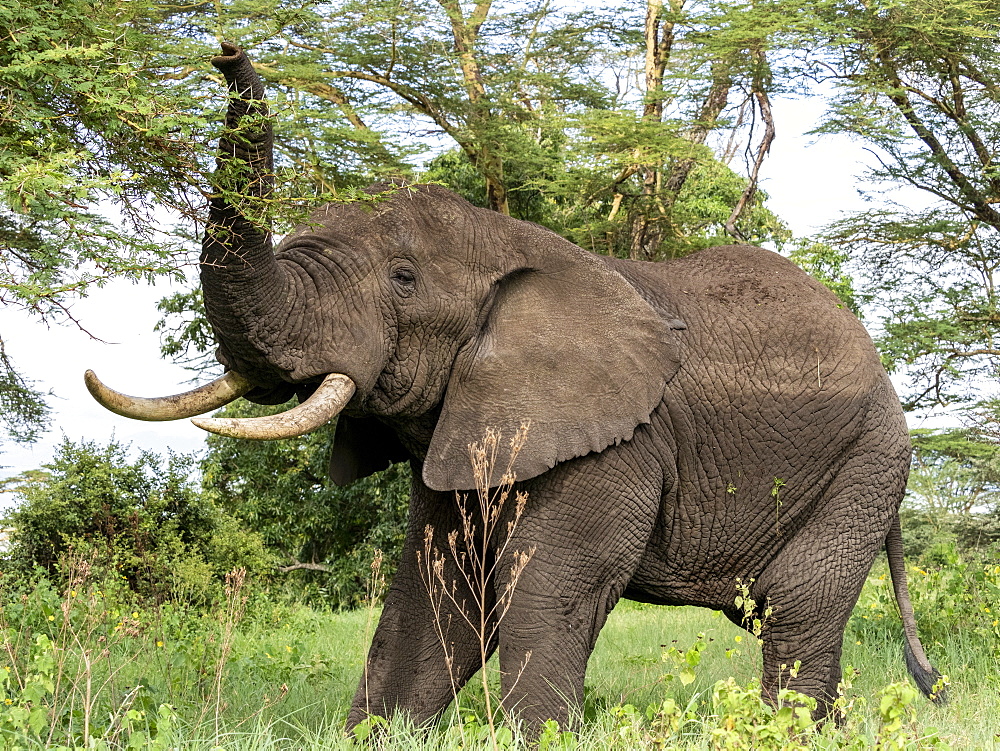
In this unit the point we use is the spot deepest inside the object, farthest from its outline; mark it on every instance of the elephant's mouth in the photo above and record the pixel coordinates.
(326, 402)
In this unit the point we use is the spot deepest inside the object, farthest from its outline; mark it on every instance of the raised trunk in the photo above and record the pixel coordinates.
(243, 285)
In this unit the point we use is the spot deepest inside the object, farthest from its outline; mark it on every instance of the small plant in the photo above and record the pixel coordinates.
(62, 683)
(752, 620)
(776, 487)
(898, 727)
(476, 549)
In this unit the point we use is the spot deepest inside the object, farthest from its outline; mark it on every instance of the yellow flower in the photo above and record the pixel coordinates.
(52, 617)
(159, 643)
(287, 648)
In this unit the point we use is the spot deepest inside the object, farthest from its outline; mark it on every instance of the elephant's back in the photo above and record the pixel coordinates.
(753, 316)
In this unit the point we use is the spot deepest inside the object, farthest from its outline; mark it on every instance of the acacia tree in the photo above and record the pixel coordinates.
(956, 471)
(85, 134)
(920, 82)
(107, 118)
(486, 78)
(649, 177)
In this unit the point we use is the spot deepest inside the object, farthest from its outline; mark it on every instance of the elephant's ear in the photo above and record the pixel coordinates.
(568, 346)
(361, 447)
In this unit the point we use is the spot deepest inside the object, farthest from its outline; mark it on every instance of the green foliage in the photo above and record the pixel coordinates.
(582, 196)
(280, 490)
(951, 505)
(828, 265)
(186, 336)
(82, 122)
(142, 522)
(526, 200)
(23, 410)
(954, 471)
(90, 667)
(918, 81)
(950, 594)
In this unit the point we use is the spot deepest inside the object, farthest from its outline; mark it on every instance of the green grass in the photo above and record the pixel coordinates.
(288, 674)
(319, 659)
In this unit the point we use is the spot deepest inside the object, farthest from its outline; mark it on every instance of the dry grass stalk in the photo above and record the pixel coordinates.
(477, 549)
(373, 595)
(236, 605)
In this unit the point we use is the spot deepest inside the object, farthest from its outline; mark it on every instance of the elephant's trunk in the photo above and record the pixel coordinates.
(243, 285)
(246, 292)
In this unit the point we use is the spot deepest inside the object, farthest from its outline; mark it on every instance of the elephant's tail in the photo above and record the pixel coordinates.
(927, 678)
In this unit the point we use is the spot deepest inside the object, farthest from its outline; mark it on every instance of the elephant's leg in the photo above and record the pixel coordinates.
(588, 531)
(814, 582)
(407, 668)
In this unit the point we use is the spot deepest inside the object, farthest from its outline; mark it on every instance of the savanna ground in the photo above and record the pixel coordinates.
(90, 668)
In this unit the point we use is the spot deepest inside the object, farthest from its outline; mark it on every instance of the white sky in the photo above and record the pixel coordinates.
(810, 184)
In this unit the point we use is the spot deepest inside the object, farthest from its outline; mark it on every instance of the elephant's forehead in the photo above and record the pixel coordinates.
(384, 231)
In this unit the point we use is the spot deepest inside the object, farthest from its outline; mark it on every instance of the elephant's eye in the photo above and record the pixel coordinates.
(404, 279)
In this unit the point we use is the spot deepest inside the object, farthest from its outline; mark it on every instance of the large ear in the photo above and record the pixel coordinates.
(363, 446)
(568, 346)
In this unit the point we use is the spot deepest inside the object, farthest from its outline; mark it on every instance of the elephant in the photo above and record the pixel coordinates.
(694, 423)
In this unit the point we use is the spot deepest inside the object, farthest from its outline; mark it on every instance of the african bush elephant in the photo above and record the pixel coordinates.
(668, 402)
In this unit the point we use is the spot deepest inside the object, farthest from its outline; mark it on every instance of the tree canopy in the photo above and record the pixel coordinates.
(636, 129)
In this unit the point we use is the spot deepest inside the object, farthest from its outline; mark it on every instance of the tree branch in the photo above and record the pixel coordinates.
(764, 104)
(979, 204)
(305, 567)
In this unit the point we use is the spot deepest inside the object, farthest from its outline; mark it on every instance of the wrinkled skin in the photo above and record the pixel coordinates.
(667, 402)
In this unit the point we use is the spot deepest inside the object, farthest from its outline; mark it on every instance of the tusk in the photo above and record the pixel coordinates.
(327, 401)
(203, 399)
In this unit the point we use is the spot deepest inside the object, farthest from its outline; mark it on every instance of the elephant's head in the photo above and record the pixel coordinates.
(422, 311)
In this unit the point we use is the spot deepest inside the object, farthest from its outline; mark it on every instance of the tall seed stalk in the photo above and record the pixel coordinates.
(484, 543)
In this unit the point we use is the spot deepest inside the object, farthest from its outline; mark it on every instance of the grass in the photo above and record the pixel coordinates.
(285, 675)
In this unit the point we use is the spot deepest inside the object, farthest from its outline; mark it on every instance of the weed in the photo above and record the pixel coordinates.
(776, 487)
(476, 550)
(753, 620)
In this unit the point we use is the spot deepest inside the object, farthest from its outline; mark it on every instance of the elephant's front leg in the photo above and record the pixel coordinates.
(588, 529)
(408, 668)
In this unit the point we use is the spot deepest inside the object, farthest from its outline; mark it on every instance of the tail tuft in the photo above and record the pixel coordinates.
(928, 681)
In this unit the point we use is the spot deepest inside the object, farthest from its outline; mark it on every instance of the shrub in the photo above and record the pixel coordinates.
(324, 536)
(143, 522)
(959, 593)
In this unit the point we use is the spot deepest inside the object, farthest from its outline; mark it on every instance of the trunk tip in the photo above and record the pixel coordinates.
(230, 53)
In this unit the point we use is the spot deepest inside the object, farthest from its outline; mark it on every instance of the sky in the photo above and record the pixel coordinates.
(810, 183)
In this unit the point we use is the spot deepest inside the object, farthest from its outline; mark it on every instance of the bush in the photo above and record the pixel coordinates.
(142, 522)
(324, 536)
(957, 594)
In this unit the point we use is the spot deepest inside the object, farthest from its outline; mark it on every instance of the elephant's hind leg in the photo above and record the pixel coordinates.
(813, 584)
